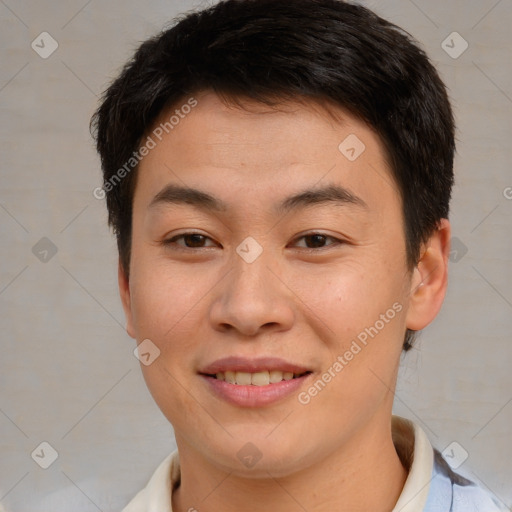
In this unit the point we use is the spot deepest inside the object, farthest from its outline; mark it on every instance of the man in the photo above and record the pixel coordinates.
(278, 175)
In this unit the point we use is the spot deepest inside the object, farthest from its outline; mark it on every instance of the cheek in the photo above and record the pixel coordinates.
(166, 304)
(362, 305)
(351, 297)
(364, 340)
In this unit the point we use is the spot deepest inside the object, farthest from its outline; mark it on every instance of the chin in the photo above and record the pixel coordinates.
(259, 456)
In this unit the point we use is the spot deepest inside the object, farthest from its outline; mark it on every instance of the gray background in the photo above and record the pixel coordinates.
(67, 371)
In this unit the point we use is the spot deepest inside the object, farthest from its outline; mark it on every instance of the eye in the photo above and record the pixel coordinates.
(197, 241)
(191, 241)
(317, 240)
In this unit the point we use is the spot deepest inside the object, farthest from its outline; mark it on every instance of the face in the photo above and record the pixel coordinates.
(276, 295)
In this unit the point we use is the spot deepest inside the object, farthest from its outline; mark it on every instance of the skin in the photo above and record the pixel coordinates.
(202, 303)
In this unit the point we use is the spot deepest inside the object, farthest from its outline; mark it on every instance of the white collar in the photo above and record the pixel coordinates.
(411, 443)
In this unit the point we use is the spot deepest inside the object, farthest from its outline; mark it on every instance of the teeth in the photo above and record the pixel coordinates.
(256, 379)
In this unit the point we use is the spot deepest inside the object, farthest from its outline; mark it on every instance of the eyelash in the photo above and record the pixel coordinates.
(171, 242)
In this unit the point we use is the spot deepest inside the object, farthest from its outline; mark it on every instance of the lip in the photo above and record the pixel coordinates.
(254, 396)
(260, 364)
(250, 395)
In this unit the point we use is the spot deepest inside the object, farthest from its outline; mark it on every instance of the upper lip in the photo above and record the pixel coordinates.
(260, 364)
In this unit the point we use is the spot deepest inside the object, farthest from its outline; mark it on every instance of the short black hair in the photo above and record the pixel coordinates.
(329, 51)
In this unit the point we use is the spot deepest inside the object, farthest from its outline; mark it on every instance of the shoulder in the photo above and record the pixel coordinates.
(452, 492)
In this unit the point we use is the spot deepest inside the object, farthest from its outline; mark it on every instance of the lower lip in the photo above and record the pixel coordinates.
(254, 396)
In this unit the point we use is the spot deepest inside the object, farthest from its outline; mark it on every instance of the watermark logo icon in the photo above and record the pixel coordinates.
(454, 45)
(457, 250)
(249, 250)
(249, 455)
(146, 352)
(455, 455)
(44, 455)
(44, 250)
(352, 147)
(44, 45)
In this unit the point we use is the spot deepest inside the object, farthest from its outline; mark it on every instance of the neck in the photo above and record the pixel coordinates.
(362, 474)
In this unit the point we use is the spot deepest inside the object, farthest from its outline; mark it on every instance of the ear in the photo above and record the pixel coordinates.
(124, 292)
(430, 279)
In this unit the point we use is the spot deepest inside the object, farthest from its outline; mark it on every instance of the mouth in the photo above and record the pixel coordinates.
(254, 382)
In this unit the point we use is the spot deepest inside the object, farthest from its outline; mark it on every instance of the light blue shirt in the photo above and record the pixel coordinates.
(451, 492)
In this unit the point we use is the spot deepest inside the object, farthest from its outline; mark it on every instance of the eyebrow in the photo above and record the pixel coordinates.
(329, 194)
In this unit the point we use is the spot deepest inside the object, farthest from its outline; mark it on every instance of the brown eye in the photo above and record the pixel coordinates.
(191, 241)
(318, 240)
(194, 240)
(315, 240)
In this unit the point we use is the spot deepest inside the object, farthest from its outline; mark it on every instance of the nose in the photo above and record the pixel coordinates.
(253, 298)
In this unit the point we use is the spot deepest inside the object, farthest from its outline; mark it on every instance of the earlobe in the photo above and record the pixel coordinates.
(430, 279)
(124, 292)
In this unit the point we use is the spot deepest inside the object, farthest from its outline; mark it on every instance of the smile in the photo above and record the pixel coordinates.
(254, 382)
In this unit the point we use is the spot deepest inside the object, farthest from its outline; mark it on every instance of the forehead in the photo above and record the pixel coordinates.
(258, 152)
